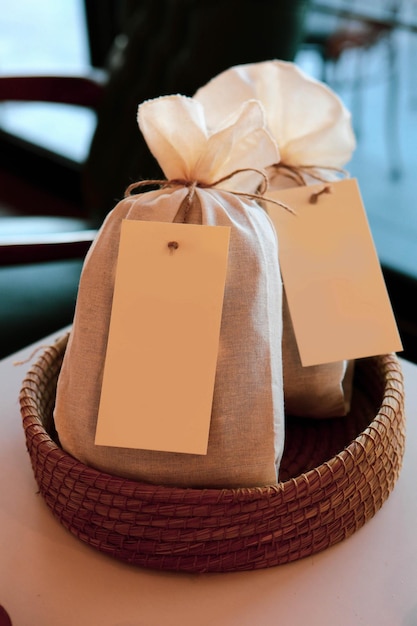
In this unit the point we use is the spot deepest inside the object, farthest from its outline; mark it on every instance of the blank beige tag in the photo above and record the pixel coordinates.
(163, 341)
(331, 273)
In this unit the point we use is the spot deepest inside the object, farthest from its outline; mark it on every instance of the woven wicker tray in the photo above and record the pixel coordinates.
(335, 475)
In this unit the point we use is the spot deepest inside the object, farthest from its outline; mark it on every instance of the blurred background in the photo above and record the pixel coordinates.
(69, 146)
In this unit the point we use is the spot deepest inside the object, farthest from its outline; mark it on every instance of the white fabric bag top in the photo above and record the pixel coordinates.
(309, 122)
(313, 131)
(247, 425)
(186, 148)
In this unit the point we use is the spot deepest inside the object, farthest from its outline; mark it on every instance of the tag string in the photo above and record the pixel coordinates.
(192, 186)
(298, 173)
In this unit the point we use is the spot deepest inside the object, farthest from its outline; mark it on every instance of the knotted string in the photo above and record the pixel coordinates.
(192, 186)
(315, 196)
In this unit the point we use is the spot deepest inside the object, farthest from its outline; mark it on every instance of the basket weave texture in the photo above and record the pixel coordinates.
(335, 474)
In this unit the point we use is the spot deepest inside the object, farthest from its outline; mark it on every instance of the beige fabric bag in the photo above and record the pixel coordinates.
(313, 131)
(247, 426)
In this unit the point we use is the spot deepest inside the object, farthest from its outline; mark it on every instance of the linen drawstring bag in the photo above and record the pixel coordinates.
(247, 423)
(313, 131)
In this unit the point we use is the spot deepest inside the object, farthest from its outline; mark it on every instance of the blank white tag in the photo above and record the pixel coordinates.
(333, 281)
(163, 340)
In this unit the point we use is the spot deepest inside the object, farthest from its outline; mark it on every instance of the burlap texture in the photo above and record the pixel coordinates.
(247, 426)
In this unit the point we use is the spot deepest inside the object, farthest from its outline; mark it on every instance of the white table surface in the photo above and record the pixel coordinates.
(50, 578)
